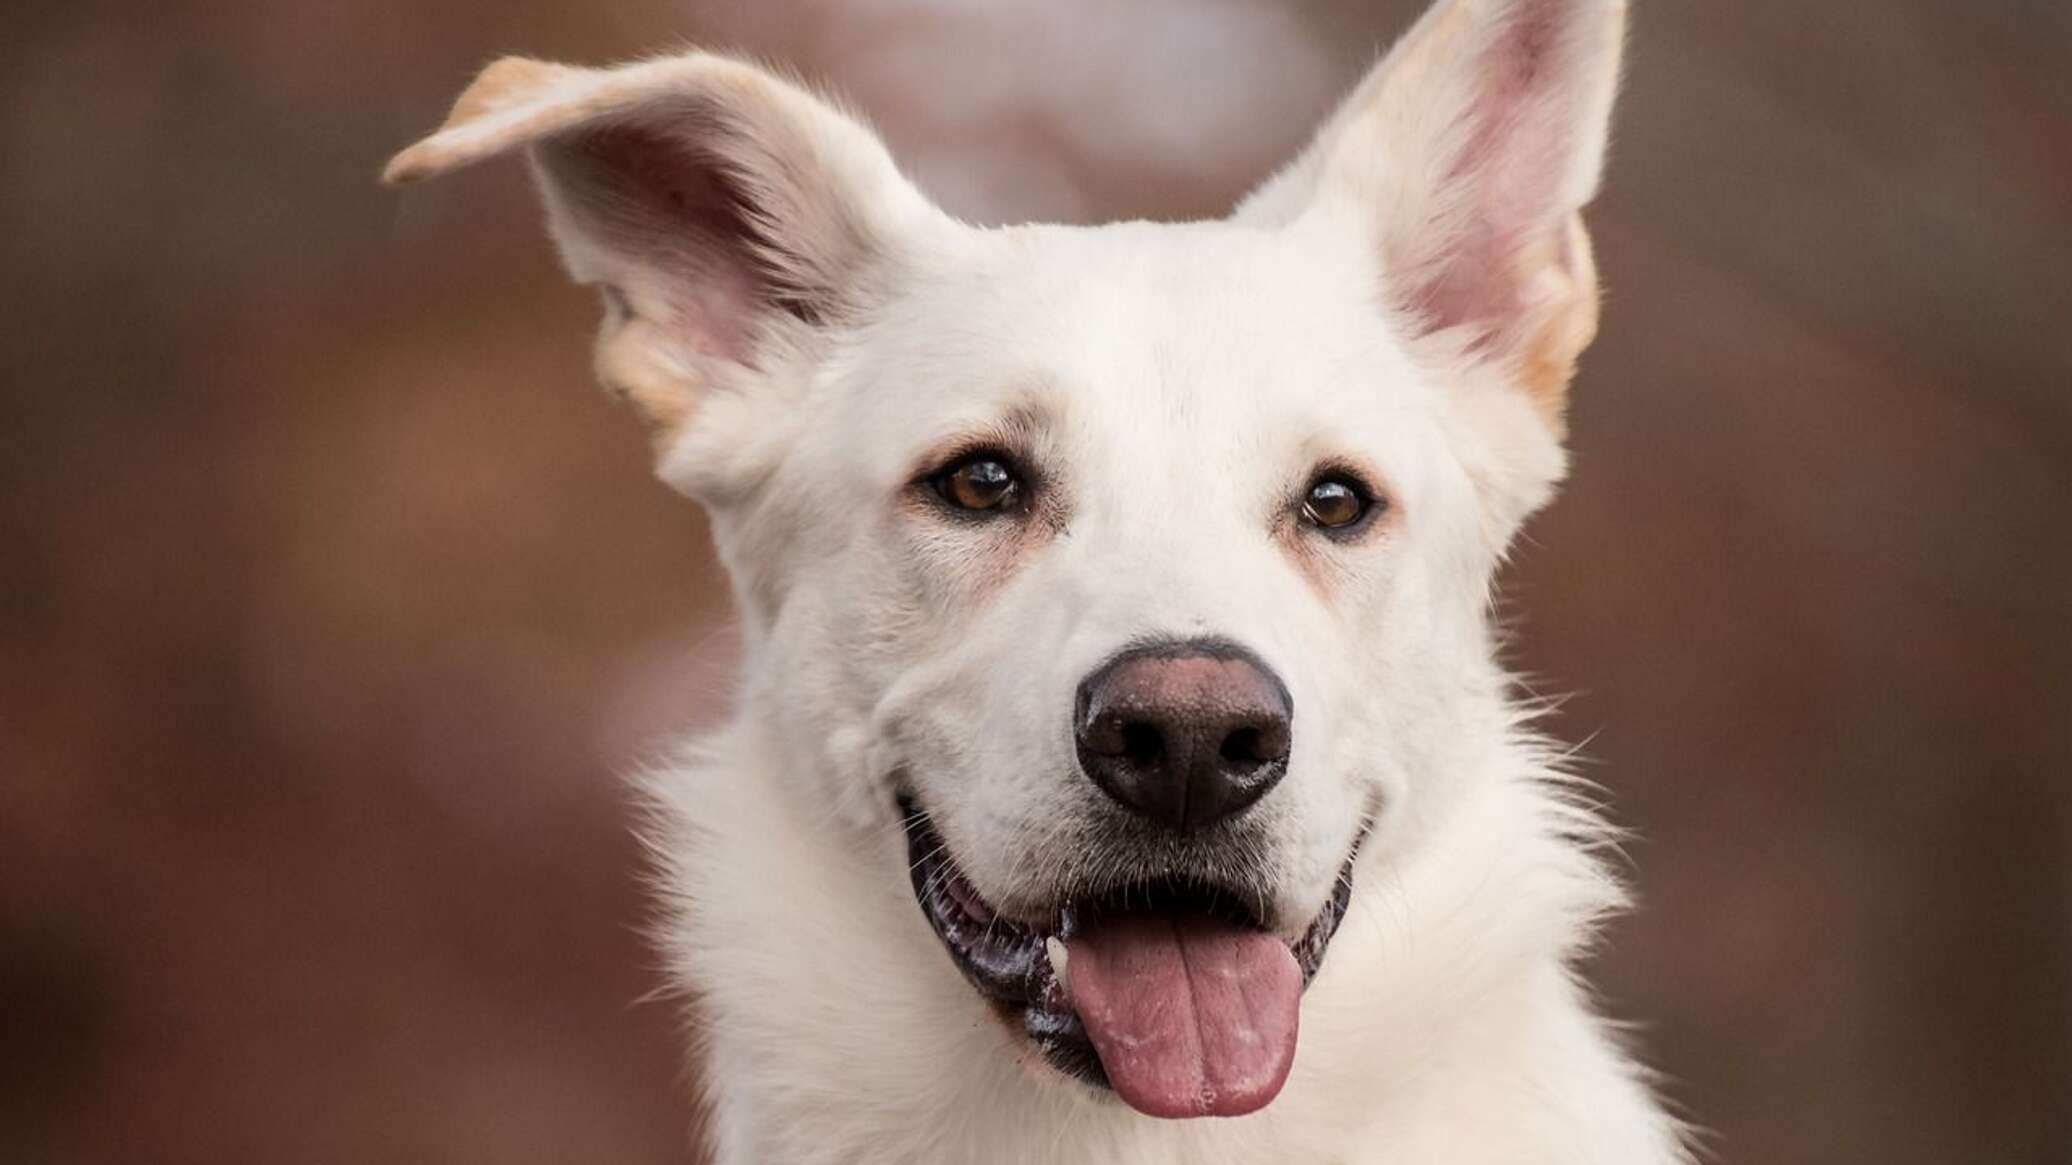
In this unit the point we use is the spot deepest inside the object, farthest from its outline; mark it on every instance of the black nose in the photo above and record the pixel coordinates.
(1185, 734)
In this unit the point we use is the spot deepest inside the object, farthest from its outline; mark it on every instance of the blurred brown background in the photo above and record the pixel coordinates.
(335, 597)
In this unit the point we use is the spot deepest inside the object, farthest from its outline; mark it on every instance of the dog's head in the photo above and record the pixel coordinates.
(1137, 572)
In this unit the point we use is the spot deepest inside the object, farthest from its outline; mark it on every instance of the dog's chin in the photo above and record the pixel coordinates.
(1020, 966)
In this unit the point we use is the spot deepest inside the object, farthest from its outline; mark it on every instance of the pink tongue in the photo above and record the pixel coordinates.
(1191, 1016)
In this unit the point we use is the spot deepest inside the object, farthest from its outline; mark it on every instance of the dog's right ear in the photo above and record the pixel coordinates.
(729, 216)
(1469, 153)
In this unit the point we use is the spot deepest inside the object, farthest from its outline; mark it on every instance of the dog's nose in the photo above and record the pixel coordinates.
(1186, 734)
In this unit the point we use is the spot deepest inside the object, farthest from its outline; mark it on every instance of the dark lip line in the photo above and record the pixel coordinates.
(1007, 962)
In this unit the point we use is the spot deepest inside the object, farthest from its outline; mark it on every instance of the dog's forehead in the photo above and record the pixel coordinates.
(1207, 300)
(1181, 326)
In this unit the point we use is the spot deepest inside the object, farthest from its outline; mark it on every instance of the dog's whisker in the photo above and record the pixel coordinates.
(930, 856)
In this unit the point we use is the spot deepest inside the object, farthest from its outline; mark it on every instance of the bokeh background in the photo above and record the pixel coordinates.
(336, 598)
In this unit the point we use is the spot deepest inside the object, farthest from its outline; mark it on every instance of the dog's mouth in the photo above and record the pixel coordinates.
(1171, 992)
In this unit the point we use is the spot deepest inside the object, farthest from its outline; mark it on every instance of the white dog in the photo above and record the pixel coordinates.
(1121, 691)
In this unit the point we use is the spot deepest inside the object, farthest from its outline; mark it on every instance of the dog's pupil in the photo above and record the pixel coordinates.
(981, 485)
(1333, 503)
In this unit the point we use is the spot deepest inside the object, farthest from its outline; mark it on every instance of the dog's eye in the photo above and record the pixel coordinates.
(1336, 502)
(981, 482)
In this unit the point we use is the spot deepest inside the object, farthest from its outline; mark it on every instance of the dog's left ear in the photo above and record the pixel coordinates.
(1466, 155)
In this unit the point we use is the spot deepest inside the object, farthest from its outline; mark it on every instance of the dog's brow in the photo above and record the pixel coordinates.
(1022, 427)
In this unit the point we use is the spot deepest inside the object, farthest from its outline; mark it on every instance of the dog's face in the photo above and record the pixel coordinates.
(1138, 572)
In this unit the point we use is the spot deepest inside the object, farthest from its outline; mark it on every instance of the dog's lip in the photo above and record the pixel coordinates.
(1007, 959)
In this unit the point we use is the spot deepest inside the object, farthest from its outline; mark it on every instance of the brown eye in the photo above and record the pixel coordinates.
(980, 483)
(1335, 503)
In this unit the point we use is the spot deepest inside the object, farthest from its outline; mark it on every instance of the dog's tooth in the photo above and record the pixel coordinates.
(1055, 948)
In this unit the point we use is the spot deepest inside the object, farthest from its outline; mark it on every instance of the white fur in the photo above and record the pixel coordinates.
(1398, 297)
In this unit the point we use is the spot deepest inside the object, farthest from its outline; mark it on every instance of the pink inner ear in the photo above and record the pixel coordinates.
(719, 320)
(669, 206)
(1506, 177)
